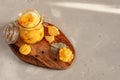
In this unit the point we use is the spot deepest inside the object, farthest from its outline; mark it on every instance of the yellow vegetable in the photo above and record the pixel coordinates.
(49, 38)
(23, 34)
(29, 19)
(65, 55)
(34, 39)
(25, 49)
(32, 36)
(53, 31)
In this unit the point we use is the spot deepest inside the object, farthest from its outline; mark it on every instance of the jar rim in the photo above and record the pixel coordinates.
(32, 11)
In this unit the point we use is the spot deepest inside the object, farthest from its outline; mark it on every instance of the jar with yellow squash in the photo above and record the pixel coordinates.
(30, 26)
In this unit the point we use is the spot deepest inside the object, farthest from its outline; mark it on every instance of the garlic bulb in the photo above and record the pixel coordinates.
(55, 47)
(11, 33)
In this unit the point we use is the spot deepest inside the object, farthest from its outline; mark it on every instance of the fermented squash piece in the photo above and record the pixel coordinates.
(25, 49)
(65, 55)
(53, 31)
(49, 38)
(29, 19)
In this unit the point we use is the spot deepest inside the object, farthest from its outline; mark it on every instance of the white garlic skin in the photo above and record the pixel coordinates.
(11, 33)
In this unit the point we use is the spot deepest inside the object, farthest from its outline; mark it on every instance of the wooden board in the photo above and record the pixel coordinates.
(41, 54)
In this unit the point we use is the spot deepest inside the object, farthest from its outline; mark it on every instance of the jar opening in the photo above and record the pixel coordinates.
(29, 19)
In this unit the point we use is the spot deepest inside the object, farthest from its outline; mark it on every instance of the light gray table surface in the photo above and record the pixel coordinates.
(93, 27)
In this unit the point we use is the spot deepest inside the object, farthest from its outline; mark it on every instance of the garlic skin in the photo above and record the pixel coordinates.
(11, 33)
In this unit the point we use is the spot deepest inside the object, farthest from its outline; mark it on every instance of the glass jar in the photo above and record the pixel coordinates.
(11, 33)
(30, 25)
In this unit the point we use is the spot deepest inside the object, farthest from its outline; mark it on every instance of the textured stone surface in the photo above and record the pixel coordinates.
(91, 25)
